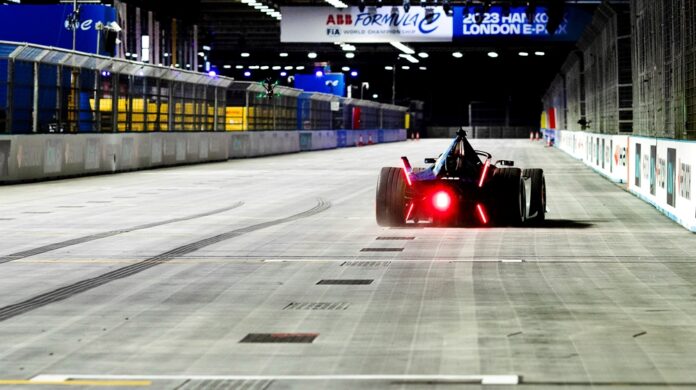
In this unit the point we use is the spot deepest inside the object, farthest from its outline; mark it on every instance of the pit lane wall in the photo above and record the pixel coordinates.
(49, 156)
(656, 170)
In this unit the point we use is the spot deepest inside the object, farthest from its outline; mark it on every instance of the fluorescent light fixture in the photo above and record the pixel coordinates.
(405, 67)
(492, 54)
(277, 67)
(523, 54)
(312, 54)
(254, 67)
(403, 47)
(457, 54)
(245, 55)
(224, 66)
(410, 58)
(423, 68)
(300, 67)
(388, 67)
(283, 54)
(264, 67)
(337, 3)
(423, 55)
(289, 67)
(239, 67)
(539, 53)
(350, 54)
(346, 69)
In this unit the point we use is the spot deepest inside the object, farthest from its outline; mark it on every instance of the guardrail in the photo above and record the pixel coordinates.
(51, 90)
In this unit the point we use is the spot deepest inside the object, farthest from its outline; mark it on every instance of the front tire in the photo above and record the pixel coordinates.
(390, 197)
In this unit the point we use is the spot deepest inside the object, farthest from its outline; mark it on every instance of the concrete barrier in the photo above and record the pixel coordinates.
(658, 171)
(46, 156)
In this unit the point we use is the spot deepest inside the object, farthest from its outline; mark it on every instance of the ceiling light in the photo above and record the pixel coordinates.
(405, 67)
(283, 54)
(319, 73)
(375, 96)
(247, 74)
(264, 67)
(254, 67)
(289, 67)
(224, 66)
(457, 54)
(523, 54)
(423, 55)
(423, 68)
(388, 67)
(244, 55)
(492, 54)
(345, 69)
(283, 73)
(354, 73)
(299, 67)
(312, 54)
(539, 53)
(403, 47)
(337, 3)
(410, 58)
(239, 67)
(276, 67)
(350, 55)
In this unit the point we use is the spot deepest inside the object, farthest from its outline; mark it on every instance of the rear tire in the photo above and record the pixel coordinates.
(390, 200)
(538, 193)
(511, 203)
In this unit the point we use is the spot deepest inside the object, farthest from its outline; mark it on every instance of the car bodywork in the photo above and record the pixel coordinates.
(463, 186)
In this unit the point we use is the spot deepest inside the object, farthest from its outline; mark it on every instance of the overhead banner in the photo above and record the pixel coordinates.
(512, 22)
(47, 24)
(425, 24)
(374, 25)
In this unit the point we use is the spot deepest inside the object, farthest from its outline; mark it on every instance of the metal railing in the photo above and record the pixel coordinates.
(45, 89)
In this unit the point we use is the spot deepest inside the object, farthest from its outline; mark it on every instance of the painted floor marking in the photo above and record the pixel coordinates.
(482, 379)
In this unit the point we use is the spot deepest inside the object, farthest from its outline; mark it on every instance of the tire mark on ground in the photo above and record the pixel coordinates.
(99, 236)
(71, 290)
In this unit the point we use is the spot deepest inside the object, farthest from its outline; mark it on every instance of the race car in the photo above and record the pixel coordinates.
(462, 187)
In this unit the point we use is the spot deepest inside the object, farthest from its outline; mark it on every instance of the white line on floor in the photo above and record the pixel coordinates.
(482, 379)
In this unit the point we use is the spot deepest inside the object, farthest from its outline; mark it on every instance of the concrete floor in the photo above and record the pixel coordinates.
(153, 278)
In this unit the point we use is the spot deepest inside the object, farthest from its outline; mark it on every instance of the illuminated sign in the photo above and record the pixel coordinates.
(373, 25)
(424, 24)
(468, 24)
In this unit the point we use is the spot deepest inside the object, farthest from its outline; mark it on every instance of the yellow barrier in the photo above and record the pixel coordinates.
(237, 118)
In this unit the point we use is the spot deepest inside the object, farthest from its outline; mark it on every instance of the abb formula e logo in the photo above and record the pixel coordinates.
(339, 20)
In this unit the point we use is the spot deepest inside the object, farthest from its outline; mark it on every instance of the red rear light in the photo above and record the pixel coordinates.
(410, 210)
(482, 214)
(442, 201)
(483, 174)
(407, 173)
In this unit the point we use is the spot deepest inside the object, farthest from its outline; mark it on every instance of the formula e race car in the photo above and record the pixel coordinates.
(458, 188)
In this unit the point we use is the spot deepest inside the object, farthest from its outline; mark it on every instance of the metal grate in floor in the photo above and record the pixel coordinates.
(279, 338)
(346, 281)
(317, 306)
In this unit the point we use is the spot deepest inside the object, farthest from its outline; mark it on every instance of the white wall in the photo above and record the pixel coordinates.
(45, 156)
(658, 171)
